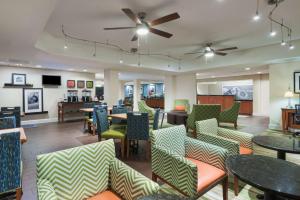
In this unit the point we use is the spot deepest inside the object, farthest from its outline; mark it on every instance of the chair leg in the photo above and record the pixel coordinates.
(127, 148)
(154, 177)
(236, 186)
(225, 188)
(18, 193)
(94, 129)
(235, 125)
(122, 148)
(148, 151)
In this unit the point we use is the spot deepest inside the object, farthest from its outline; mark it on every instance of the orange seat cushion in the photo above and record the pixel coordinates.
(106, 195)
(207, 174)
(245, 151)
(180, 108)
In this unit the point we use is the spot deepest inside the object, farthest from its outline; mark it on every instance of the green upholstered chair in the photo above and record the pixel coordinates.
(235, 142)
(144, 108)
(190, 166)
(89, 172)
(104, 131)
(230, 115)
(202, 112)
(182, 105)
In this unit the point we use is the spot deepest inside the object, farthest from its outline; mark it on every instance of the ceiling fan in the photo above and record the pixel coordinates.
(208, 51)
(143, 27)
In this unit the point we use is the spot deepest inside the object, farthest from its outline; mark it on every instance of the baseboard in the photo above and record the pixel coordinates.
(260, 114)
(275, 126)
(39, 121)
(48, 120)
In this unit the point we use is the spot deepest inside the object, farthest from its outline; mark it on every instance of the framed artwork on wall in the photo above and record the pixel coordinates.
(18, 79)
(80, 84)
(89, 84)
(33, 100)
(70, 83)
(297, 82)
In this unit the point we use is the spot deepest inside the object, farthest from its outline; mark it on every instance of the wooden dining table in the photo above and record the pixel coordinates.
(90, 110)
(119, 116)
(23, 137)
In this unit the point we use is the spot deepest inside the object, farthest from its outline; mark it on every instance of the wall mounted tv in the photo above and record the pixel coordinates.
(51, 80)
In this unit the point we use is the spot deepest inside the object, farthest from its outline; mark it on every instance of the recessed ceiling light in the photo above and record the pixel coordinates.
(71, 69)
(213, 76)
(121, 61)
(197, 74)
(38, 66)
(247, 68)
(65, 47)
(85, 70)
(259, 72)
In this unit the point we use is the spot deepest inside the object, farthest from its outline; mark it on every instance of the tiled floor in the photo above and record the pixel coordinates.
(52, 137)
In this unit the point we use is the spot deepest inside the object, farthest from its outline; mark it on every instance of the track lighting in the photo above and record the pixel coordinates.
(283, 43)
(291, 47)
(256, 17)
(272, 32)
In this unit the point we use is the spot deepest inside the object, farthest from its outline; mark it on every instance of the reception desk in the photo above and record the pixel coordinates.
(226, 101)
(287, 119)
(155, 102)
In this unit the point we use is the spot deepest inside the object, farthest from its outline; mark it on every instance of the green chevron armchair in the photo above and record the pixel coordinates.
(190, 166)
(89, 172)
(235, 142)
(202, 112)
(230, 115)
(144, 108)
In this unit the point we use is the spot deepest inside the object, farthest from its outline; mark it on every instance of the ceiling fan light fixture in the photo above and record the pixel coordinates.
(142, 29)
(209, 54)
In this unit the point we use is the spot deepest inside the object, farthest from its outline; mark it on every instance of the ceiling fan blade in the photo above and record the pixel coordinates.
(193, 52)
(227, 49)
(220, 53)
(164, 19)
(116, 28)
(131, 15)
(161, 33)
(134, 38)
(199, 56)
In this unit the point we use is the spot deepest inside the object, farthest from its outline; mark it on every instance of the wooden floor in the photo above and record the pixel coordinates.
(53, 137)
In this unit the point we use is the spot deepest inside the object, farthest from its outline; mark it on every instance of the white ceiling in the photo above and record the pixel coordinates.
(31, 32)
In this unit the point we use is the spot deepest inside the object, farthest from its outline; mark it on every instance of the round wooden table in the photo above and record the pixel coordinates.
(281, 144)
(277, 178)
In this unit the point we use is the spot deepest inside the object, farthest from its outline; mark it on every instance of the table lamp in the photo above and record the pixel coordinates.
(289, 94)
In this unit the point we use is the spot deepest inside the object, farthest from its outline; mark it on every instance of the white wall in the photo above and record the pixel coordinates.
(169, 92)
(111, 87)
(52, 95)
(260, 89)
(281, 77)
(185, 87)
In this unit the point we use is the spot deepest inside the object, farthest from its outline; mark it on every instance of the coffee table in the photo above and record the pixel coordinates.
(277, 178)
(281, 144)
(177, 118)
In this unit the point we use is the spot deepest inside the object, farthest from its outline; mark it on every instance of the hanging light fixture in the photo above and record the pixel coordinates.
(95, 49)
(256, 17)
(283, 43)
(272, 32)
(65, 46)
(291, 46)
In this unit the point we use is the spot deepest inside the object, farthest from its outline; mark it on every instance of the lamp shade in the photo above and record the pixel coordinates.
(288, 94)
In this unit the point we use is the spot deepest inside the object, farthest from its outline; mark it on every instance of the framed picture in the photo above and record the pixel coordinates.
(297, 82)
(18, 79)
(89, 84)
(33, 100)
(80, 84)
(70, 83)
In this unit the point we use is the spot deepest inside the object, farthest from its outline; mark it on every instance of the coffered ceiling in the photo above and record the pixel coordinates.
(31, 32)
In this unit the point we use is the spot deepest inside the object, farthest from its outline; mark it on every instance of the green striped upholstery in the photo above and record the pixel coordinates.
(225, 138)
(82, 172)
(231, 114)
(130, 184)
(171, 146)
(205, 152)
(203, 112)
(144, 108)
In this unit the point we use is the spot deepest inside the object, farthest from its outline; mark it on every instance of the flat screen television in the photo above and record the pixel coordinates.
(51, 80)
